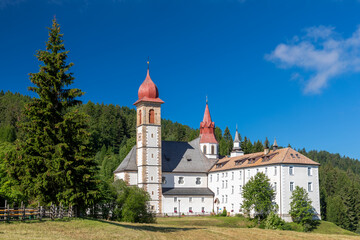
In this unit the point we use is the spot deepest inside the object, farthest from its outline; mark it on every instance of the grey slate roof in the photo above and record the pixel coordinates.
(187, 191)
(129, 162)
(176, 157)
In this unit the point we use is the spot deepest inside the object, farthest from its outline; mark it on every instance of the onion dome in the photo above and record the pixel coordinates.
(148, 92)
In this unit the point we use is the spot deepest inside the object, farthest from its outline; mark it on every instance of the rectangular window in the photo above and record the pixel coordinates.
(217, 177)
(266, 170)
(257, 170)
(175, 199)
(232, 206)
(202, 199)
(310, 187)
(222, 184)
(190, 209)
(291, 170)
(226, 174)
(190, 199)
(203, 209)
(222, 175)
(163, 179)
(181, 180)
(232, 176)
(210, 177)
(240, 173)
(275, 171)
(309, 171)
(226, 198)
(198, 181)
(226, 184)
(232, 189)
(248, 176)
(291, 186)
(217, 191)
(240, 189)
(275, 186)
(222, 198)
(175, 209)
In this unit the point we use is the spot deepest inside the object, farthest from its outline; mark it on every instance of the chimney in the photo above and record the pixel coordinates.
(266, 150)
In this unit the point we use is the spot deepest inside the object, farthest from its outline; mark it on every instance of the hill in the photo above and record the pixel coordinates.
(112, 129)
(167, 228)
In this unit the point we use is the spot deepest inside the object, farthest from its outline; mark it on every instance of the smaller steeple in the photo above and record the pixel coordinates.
(237, 145)
(275, 146)
(208, 143)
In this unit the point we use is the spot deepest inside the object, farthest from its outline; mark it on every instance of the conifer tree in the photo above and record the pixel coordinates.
(52, 163)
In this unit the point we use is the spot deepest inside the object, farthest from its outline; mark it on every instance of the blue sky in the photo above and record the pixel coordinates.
(284, 69)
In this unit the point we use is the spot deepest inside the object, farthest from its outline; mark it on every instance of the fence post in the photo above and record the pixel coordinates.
(61, 211)
(40, 212)
(8, 212)
(5, 212)
(23, 212)
(51, 212)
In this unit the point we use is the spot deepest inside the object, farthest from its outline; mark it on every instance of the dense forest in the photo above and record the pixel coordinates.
(112, 135)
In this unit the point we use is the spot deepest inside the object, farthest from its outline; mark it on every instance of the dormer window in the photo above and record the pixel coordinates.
(181, 180)
(163, 180)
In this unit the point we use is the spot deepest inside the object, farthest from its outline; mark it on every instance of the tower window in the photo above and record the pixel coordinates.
(212, 149)
(204, 149)
(139, 117)
(151, 116)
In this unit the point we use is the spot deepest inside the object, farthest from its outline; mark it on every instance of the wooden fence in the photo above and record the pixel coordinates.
(22, 213)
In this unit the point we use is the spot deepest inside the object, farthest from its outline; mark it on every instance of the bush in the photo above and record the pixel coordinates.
(224, 213)
(131, 204)
(273, 221)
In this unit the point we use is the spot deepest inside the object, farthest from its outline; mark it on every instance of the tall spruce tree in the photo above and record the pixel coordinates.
(52, 163)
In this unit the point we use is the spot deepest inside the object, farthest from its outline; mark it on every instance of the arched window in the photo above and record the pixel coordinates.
(204, 149)
(212, 149)
(139, 117)
(151, 116)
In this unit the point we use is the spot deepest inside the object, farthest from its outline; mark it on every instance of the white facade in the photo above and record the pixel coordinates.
(210, 150)
(227, 186)
(189, 205)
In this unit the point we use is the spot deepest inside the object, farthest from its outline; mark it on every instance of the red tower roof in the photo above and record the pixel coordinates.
(148, 91)
(207, 128)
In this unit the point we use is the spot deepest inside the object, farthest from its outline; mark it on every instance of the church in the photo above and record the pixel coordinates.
(190, 178)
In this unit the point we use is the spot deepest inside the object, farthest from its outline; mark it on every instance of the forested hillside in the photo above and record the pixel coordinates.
(112, 130)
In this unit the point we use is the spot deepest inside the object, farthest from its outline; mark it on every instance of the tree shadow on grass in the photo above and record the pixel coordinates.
(148, 227)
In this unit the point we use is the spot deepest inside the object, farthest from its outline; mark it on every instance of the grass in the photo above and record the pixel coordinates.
(167, 228)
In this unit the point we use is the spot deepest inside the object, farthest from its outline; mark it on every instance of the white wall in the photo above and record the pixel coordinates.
(232, 200)
(196, 204)
(189, 180)
(299, 178)
(208, 150)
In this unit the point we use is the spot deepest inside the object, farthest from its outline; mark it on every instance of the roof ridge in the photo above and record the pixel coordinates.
(287, 151)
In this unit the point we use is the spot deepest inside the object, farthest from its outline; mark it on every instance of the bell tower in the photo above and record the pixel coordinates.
(208, 143)
(148, 142)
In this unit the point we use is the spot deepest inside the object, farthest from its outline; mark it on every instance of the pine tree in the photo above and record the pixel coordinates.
(53, 163)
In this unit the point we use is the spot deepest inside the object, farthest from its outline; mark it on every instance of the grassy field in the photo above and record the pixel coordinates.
(166, 228)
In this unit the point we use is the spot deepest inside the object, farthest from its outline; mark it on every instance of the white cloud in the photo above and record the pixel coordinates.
(321, 52)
